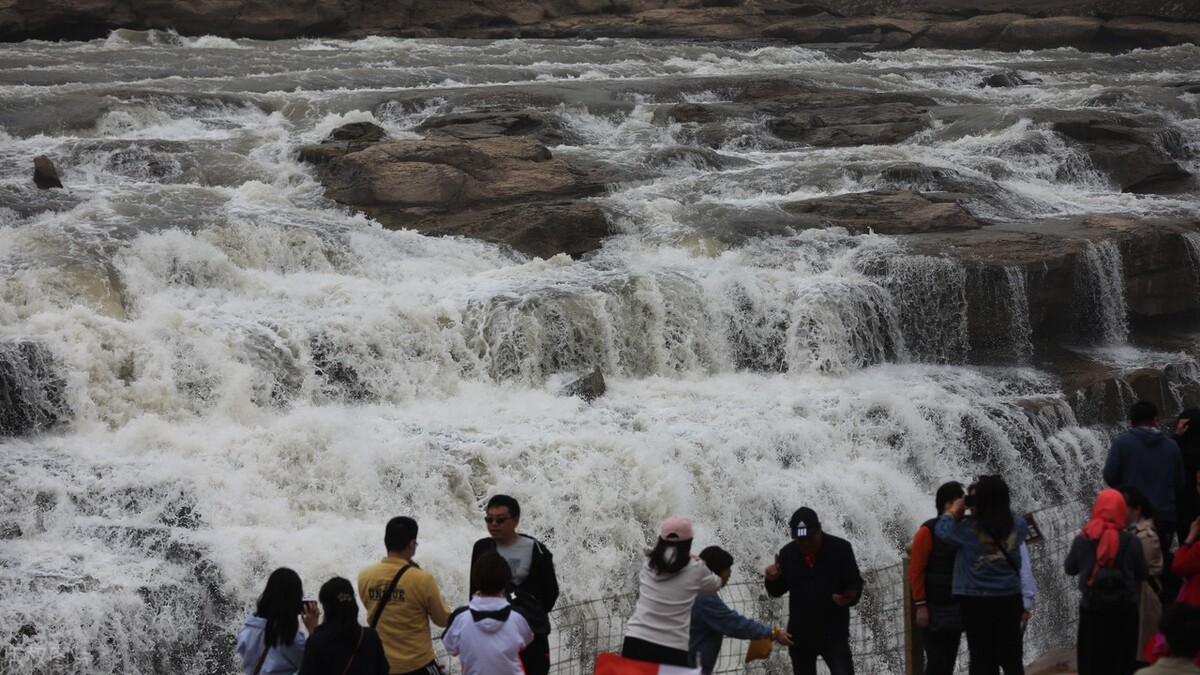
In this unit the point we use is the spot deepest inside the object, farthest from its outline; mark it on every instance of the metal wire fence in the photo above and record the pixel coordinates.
(882, 638)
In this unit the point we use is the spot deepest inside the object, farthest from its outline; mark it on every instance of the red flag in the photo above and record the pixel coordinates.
(613, 664)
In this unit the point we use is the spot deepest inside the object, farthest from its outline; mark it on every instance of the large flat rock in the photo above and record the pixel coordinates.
(504, 189)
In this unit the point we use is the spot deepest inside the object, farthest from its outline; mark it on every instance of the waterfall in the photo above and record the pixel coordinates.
(1017, 296)
(211, 370)
(1192, 241)
(1100, 310)
(930, 297)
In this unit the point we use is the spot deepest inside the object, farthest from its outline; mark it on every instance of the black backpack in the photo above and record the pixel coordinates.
(1110, 588)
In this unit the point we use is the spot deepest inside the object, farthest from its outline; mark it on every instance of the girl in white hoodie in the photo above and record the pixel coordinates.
(488, 634)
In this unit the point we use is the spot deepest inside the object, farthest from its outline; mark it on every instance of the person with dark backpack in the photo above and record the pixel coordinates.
(931, 576)
(1110, 565)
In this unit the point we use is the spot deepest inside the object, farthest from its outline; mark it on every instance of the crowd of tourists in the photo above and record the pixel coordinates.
(966, 565)
(970, 575)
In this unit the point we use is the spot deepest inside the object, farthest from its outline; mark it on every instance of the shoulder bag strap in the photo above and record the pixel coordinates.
(262, 659)
(1011, 563)
(386, 596)
(355, 652)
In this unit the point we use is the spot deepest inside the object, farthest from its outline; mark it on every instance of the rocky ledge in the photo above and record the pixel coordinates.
(891, 24)
(498, 188)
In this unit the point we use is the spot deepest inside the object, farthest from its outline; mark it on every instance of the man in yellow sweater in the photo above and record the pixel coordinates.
(401, 599)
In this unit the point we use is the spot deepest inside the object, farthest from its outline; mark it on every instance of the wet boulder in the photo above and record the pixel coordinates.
(475, 125)
(798, 113)
(884, 212)
(1006, 78)
(1051, 32)
(1128, 151)
(45, 176)
(589, 387)
(505, 189)
(342, 140)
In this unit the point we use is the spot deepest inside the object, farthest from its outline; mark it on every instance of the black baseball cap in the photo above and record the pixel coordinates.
(804, 523)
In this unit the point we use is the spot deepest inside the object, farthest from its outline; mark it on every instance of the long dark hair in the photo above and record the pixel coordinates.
(993, 507)
(279, 604)
(668, 557)
(341, 610)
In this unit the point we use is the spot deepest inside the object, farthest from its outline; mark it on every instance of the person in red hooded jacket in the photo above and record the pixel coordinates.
(1187, 565)
(1108, 560)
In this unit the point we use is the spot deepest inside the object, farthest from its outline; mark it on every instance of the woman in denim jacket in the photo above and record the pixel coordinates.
(987, 577)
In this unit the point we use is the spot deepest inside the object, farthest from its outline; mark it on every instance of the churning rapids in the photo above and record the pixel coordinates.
(247, 375)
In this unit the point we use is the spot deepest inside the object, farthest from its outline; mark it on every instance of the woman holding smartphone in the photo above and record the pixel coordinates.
(340, 645)
(987, 575)
(270, 642)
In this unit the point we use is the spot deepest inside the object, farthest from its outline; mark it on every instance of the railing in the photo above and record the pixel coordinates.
(883, 637)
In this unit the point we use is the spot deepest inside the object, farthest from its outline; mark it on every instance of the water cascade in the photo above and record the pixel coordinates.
(219, 371)
(1100, 313)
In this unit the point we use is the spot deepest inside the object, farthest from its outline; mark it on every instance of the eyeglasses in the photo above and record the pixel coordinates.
(496, 520)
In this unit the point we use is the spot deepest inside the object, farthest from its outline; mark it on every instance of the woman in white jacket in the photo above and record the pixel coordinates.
(660, 626)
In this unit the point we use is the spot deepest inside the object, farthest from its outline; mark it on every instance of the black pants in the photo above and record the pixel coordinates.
(835, 653)
(1107, 640)
(431, 669)
(941, 651)
(641, 650)
(993, 627)
(536, 656)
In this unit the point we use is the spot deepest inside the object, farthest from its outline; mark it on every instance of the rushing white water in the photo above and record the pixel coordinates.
(250, 376)
(1100, 307)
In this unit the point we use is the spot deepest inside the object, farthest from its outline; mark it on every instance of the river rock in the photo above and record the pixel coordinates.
(796, 112)
(479, 124)
(506, 189)
(343, 140)
(971, 33)
(1007, 78)
(883, 212)
(888, 24)
(589, 387)
(1063, 31)
(45, 176)
(1125, 150)
(1157, 269)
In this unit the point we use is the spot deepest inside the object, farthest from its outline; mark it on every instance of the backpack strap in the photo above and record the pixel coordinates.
(386, 596)
(354, 653)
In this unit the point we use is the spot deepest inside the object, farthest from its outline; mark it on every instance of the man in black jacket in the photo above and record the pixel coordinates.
(535, 584)
(820, 573)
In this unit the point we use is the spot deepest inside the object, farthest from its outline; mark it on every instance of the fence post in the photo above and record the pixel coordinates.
(914, 638)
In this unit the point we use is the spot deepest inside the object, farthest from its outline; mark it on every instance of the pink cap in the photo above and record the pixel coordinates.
(675, 528)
